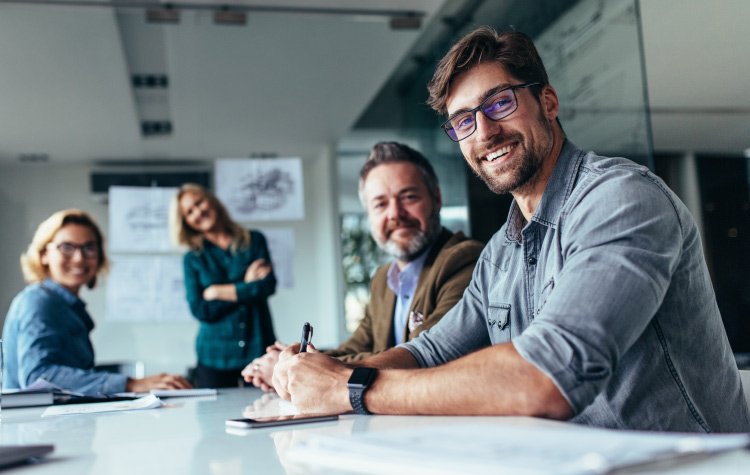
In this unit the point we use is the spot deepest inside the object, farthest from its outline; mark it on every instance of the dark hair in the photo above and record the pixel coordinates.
(513, 50)
(394, 152)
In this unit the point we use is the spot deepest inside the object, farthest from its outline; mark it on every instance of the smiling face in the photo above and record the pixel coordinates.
(404, 217)
(509, 153)
(76, 270)
(197, 211)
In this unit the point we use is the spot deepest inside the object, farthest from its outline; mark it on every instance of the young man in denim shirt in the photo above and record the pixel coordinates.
(593, 303)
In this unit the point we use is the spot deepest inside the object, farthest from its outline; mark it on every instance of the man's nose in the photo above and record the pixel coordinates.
(395, 210)
(486, 128)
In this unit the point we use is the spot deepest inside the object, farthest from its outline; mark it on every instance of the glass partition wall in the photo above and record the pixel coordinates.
(594, 58)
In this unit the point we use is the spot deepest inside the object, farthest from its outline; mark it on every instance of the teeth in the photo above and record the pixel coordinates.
(499, 153)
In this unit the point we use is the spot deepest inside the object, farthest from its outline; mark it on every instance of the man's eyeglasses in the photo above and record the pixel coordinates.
(90, 250)
(498, 106)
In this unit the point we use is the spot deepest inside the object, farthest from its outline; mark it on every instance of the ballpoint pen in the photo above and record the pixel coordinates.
(307, 333)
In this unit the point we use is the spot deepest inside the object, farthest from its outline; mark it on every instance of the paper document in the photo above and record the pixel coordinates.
(147, 402)
(479, 448)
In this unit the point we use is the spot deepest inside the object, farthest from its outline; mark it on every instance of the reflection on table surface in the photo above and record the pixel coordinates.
(189, 436)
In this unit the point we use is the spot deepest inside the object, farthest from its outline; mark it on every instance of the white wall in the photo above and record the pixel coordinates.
(30, 193)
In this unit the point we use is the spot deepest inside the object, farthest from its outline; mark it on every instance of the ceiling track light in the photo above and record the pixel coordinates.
(168, 14)
(225, 16)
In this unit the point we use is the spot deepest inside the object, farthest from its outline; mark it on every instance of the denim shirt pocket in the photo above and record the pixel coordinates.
(498, 322)
(544, 295)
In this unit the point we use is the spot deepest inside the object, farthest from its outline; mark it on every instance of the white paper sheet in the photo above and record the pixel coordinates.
(147, 402)
(281, 247)
(146, 289)
(480, 448)
(138, 219)
(267, 189)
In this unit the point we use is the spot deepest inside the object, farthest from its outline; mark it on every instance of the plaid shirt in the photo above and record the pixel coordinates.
(231, 333)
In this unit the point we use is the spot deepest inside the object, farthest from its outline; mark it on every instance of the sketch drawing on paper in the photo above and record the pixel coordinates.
(147, 216)
(263, 190)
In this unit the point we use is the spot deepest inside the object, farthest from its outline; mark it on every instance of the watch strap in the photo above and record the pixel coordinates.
(358, 383)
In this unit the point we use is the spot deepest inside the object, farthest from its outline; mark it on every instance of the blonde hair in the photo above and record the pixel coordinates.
(31, 260)
(183, 235)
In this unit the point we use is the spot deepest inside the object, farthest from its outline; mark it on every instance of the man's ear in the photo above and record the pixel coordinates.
(550, 103)
(438, 198)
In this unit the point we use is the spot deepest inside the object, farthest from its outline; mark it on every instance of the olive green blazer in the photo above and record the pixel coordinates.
(445, 275)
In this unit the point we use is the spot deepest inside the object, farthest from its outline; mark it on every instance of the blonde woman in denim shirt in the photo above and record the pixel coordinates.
(47, 328)
(228, 279)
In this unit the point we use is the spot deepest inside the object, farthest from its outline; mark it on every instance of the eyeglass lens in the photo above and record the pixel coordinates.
(494, 107)
(89, 250)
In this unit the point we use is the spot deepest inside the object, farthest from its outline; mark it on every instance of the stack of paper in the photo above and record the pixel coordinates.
(148, 402)
(478, 448)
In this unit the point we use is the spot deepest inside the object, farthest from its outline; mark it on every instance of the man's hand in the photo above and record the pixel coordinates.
(314, 382)
(157, 381)
(260, 370)
(258, 270)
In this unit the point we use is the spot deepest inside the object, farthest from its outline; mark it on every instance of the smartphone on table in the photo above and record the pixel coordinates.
(261, 422)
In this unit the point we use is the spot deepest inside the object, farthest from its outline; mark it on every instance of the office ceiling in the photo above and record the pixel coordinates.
(284, 83)
(292, 84)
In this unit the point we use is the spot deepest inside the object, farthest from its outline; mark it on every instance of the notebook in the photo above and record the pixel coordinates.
(15, 454)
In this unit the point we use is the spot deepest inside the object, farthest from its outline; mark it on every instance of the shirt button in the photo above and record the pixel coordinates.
(241, 343)
(532, 261)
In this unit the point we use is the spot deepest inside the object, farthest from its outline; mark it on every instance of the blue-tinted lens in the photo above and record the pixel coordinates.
(500, 105)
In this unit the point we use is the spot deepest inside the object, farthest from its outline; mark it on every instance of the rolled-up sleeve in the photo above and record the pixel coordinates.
(619, 250)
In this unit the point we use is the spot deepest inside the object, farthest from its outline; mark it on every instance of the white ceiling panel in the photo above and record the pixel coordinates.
(64, 88)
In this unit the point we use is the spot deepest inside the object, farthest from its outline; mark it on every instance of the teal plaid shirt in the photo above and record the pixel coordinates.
(231, 334)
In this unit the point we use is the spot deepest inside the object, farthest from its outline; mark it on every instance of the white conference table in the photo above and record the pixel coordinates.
(189, 436)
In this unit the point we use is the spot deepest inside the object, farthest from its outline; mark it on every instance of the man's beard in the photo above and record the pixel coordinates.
(521, 172)
(417, 244)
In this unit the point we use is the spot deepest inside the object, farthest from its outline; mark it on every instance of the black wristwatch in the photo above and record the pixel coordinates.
(358, 383)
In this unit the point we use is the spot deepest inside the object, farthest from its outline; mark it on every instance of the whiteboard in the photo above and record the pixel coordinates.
(146, 289)
(139, 219)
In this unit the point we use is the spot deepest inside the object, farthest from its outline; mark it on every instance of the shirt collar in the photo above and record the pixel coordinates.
(64, 294)
(407, 274)
(556, 193)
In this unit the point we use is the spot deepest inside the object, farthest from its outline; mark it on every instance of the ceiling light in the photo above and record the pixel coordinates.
(225, 16)
(406, 22)
(163, 15)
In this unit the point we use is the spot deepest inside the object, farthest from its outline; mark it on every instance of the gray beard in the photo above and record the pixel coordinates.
(414, 248)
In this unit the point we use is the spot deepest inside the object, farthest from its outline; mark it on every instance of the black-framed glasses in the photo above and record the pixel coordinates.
(90, 250)
(498, 106)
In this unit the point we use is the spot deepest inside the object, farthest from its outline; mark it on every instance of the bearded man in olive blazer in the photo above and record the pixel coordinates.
(431, 269)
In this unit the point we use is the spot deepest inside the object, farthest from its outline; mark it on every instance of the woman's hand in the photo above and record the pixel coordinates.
(226, 292)
(157, 381)
(258, 270)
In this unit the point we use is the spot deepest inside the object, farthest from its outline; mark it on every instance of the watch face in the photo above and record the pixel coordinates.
(361, 376)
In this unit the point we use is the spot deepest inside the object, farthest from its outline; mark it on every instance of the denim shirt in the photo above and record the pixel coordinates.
(606, 291)
(231, 334)
(46, 335)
